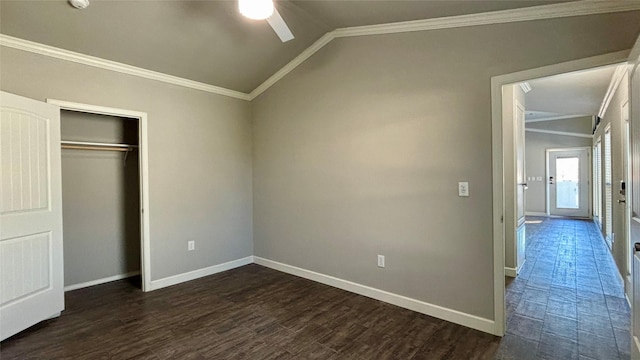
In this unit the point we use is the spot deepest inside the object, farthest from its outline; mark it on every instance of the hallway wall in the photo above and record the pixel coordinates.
(536, 145)
(613, 117)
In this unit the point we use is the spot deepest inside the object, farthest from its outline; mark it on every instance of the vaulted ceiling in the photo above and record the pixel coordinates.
(574, 93)
(209, 41)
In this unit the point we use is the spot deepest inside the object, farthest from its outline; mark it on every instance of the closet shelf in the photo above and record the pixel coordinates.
(83, 145)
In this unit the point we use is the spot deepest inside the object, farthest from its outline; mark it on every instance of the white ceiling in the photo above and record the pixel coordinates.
(576, 93)
(208, 41)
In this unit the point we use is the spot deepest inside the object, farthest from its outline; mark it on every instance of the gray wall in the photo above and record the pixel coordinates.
(199, 155)
(100, 199)
(613, 117)
(536, 146)
(358, 152)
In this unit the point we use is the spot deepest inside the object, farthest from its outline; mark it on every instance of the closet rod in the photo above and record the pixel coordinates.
(83, 145)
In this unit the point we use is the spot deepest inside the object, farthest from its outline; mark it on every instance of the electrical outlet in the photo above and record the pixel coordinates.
(191, 245)
(463, 188)
(381, 261)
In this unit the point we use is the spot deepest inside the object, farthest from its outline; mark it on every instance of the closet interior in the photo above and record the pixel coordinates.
(100, 198)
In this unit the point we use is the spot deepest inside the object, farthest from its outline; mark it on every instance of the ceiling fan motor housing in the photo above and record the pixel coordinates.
(79, 4)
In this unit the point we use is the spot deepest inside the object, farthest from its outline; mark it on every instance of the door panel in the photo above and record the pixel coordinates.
(568, 182)
(634, 196)
(521, 242)
(31, 281)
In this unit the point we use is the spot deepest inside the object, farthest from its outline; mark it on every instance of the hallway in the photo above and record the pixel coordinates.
(568, 301)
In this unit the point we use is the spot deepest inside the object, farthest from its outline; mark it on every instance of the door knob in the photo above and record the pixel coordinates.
(621, 201)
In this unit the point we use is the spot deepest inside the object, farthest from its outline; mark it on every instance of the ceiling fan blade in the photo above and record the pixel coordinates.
(279, 26)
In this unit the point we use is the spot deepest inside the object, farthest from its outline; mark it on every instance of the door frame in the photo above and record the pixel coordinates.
(143, 169)
(589, 176)
(499, 138)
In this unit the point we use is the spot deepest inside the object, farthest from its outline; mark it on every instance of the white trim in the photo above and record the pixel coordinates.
(552, 118)
(574, 8)
(143, 154)
(567, 9)
(196, 274)
(291, 65)
(534, 213)
(454, 316)
(616, 79)
(525, 86)
(54, 52)
(510, 272)
(513, 272)
(564, 133)
(498, 176)
(101, 281)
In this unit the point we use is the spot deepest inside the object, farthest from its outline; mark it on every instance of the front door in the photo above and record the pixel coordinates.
(568, 182)
(31, 278)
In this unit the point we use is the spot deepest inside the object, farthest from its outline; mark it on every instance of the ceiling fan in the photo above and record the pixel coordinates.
(264, 10)
(252, 9)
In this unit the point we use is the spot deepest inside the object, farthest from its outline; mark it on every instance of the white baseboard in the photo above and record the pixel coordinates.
(510, 272)
(196, 274)
(101, 281)
(534, 213)
(454, 316)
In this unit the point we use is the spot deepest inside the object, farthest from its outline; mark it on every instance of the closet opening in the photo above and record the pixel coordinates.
(104, 193)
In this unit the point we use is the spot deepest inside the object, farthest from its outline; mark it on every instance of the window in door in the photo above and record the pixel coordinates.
(567, 183)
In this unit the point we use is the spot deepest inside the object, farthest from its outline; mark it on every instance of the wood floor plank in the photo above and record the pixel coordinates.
(247, 313)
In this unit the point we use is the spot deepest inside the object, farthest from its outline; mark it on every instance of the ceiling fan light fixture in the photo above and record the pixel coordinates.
(256, 9)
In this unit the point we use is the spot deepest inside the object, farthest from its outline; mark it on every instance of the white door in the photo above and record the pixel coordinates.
(521, 185)
(634, 194)
(31, 278)
(568, 182)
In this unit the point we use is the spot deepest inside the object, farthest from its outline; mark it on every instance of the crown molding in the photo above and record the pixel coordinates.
(574, 8)
(50, 51)
(616, 79)
(553, 118)
(307, 53)
(564, 133)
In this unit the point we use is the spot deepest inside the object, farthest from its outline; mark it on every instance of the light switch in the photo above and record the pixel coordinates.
(463, 188)
(539, 178)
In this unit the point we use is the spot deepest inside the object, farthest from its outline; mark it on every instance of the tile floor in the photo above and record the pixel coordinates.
(568, 301)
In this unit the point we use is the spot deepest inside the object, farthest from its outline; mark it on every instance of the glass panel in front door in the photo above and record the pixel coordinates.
(568, 183)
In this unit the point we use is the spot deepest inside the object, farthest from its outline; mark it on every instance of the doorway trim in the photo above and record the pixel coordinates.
(145, 241)
(499, 178)
(590, 175)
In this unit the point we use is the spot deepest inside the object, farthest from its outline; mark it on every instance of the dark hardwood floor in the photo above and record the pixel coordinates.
(567, 303)
(246, 313)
